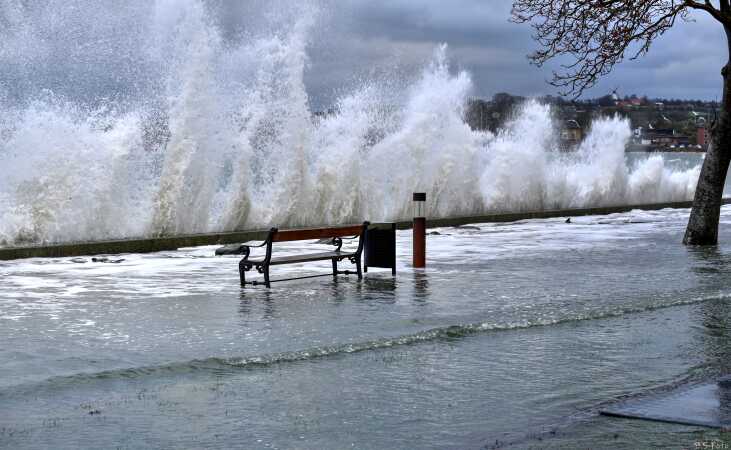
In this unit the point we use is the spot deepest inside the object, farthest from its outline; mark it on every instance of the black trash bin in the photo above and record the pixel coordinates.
(380, 246)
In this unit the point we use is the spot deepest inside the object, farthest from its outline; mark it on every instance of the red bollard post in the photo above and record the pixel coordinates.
(419, 230)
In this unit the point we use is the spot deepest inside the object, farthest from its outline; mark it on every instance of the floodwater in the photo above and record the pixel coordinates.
(513, 337)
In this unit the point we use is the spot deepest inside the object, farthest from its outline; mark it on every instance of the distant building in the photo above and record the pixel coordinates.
(702, 135)
(632, 102)
(663, 138)
(571, 133)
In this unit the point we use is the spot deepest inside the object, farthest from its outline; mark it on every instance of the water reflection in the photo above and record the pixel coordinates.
(724, 396)
(251, 299)
(338, 291)
(709, 260)
(710, 264)
(379, 285)
(421, 287)
(716, 336)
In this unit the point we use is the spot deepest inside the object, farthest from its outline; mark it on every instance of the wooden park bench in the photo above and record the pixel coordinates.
(334, 235)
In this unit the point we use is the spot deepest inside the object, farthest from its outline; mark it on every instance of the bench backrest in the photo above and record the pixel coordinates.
(316, 233)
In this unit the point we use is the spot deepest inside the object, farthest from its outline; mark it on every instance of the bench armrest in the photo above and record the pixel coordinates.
(251, 244)
(246, 247)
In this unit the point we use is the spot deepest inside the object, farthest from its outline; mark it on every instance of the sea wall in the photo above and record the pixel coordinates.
(149, 245)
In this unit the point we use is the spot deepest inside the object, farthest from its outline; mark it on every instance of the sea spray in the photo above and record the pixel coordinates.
(156, 122)
(188, 180)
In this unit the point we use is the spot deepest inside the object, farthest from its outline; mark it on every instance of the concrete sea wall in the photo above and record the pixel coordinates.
(149, 245)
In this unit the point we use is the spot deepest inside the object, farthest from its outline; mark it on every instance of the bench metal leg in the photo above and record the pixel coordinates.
(242, 274)
(266, 277)
(357, 267)
(335, 268)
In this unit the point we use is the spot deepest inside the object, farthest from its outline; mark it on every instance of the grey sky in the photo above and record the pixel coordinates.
(86, 52)
(358, 36)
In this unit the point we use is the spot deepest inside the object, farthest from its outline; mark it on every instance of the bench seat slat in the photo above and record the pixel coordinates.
(304, 258)
(319, 233)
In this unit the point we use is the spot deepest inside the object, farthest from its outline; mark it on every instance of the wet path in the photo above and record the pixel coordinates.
(514, 335)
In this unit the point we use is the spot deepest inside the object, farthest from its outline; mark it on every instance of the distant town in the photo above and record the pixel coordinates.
(658, 124)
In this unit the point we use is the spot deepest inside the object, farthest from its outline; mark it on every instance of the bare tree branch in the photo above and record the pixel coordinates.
(598, 34)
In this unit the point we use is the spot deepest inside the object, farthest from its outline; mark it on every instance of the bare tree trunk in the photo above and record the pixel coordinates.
(703, 223)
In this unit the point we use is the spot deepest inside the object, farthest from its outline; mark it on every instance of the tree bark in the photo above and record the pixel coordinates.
(703, 223)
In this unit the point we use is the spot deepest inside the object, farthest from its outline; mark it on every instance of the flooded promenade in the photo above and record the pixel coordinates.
(514, 334)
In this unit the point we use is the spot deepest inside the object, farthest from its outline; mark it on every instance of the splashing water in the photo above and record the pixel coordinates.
(211, 133)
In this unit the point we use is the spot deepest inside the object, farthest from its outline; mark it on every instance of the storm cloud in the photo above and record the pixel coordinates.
(358, 37)
(352, 42)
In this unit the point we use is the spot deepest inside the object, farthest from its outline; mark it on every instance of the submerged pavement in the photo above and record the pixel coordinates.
(515, 335)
